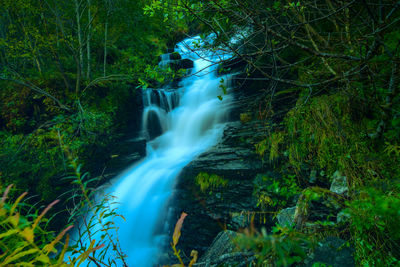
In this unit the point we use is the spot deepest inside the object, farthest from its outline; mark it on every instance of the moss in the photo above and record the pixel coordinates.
(210, 182)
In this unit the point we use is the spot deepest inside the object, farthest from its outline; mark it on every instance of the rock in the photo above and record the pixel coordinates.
(286, 216)
(332, 252)
(223, 250)
(240, 220)
(315, 205)
(339, 184)
(186, 63)
(169, 56)
(234, 160)
(175, 56)
(180, 64)
(221, 245)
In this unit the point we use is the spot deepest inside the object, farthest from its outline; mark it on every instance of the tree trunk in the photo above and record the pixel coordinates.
(78, 22)
(88, 40)
(105, 47)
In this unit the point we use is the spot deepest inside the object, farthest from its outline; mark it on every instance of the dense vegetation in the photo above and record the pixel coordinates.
(68, 75)
(328, 70)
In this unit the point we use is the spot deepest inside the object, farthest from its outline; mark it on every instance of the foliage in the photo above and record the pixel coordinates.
(375, 227)
(96, 220)
(283, 247)
(343, 73)
(174, 243)
(24, 240)
(275, 192)
(71, 78)
(272, 144)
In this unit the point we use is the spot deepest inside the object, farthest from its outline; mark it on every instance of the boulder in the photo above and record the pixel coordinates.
(286, 216)
(186, 63)
(240, 220)
(339, 184)
(175, 56)
(223, 250)
(316, 205)
(180, 64)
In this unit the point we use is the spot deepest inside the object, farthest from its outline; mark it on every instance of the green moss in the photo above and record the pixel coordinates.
(210, 182)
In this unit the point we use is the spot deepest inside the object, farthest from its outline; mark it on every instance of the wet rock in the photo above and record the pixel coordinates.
(332, 252)
(286, 216)
(175, 56)
(180, 64)
(224, 251)
(170, 56)
(317, 205)
(240, 220)
(209, 212)
(186, 63)
(339, 184)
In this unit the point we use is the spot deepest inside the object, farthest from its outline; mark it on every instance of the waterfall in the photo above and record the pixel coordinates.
(180, 124)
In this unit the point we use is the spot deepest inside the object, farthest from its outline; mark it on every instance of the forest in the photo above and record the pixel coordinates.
(308, 163)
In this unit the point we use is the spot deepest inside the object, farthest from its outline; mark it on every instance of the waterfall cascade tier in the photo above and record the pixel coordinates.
(180, 124)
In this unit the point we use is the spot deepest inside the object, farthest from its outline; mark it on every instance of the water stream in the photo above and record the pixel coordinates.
(180, 124)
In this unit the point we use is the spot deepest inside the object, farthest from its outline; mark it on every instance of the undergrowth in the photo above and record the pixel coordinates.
(332, 133)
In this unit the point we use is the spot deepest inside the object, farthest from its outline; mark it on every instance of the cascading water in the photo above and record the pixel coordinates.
(184, 122)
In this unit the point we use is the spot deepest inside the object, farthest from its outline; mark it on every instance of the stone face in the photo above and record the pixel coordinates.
(286, 216)
(186, 63)
(339, 184)
(332, 252)
(240, 220)
(180, 64)
(223, 250)
(221, 245)
(324, 206)
(175, 56)
(210, 212)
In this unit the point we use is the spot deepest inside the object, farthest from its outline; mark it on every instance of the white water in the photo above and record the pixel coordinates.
(191, 120)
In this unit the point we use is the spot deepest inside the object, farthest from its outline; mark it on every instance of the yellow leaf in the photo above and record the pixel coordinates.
(16, 202)
(61, 258)
(27, 233)
(50, 247)
(44, 212)
(194, 254)
(178, 226)
(14, 220)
